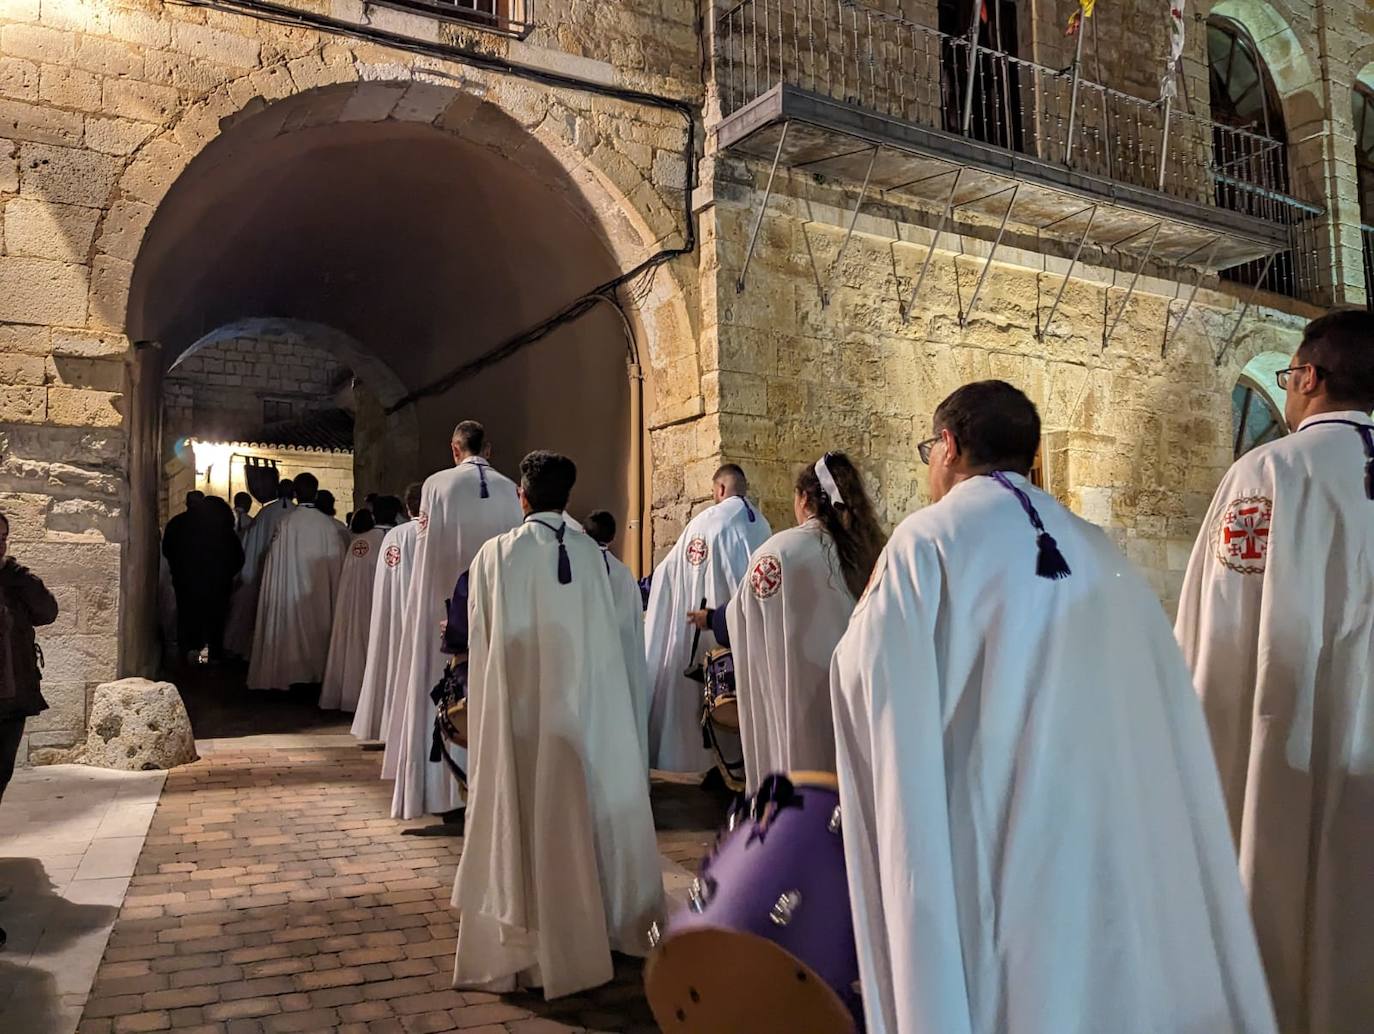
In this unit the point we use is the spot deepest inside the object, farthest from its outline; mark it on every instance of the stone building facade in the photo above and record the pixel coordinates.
(436, 194)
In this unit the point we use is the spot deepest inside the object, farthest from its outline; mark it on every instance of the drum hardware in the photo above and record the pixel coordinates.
(655, 934)
(785, 907)
(834, 826)
(700, 894)
(696, 671)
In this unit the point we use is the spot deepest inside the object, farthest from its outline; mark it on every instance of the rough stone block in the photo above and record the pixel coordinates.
(85, 520)
(21, 369)
(18, 79)
(107, 57)
(146, 102)
(66, 708)
(118, 136)
(158, 165)
(371, 103)
(228, 48)
(88, 344)
(25, 339)
(20, 120)
(38, 43)
(27, 513)
(66, 175)
(137, 725)
(78, 407)
(44, 230)
(68, 87)
(42, 291)
(138, 27)
(100, 374)
(9, 167)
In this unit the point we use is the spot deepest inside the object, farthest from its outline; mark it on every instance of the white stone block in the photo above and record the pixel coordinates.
(66, 175)
(42, 291)
(44, 230)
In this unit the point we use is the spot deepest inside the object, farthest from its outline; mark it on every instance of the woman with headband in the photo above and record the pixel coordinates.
(790, 611)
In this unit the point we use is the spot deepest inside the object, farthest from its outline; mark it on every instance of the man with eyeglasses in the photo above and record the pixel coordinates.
(1034, 834)
(1277, 623)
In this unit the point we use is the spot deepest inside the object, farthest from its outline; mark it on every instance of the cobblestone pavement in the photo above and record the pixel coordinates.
(275, 894)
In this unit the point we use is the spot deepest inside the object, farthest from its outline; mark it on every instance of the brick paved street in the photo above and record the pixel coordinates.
(274, 894)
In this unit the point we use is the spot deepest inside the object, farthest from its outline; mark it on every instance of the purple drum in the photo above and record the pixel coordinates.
(767, 940)
(719, 694)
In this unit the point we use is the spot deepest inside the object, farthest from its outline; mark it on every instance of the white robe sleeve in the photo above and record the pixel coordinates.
(889, 732)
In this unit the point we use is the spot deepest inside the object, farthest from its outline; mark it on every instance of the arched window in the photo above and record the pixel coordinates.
(1364, 168)
(1257, 403)
(1250, 166)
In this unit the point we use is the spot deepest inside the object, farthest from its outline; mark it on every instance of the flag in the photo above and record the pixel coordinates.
(1167, 85)
(1085, 10)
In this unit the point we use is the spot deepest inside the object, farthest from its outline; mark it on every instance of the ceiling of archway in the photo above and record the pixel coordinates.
(426, 249)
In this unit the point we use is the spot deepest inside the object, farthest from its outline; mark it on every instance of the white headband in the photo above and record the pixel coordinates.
(828, 485)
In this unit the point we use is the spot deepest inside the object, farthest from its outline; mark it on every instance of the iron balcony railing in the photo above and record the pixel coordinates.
(897, 68)
(508, 17)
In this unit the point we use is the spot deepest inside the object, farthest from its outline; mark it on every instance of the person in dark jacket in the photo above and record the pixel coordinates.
(218, 559)
(25, 602)
(180, 548)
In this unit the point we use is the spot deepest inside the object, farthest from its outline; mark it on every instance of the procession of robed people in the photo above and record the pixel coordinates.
(1011, 720)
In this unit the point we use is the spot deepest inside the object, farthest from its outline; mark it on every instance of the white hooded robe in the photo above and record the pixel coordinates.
(343, 669)
(1034, 832)
(300, 583)
(560, 864)
(453, 523)
(395, 558)
(629, 612)
(785, 620)
(1276, 621)
(243, 605)
(708, 561)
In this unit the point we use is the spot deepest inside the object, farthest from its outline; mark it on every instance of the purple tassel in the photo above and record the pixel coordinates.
(1049, 562)
(564, 563)
(482, 475)
(748, 509)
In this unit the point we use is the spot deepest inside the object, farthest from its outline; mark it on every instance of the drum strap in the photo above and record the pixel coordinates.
(733, 769)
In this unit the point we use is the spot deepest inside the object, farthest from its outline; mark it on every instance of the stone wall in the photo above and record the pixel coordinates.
(217, 393)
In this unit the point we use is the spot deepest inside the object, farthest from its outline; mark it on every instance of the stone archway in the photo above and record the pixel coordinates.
(382, 209)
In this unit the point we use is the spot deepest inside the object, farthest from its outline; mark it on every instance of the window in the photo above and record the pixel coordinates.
(1255, 417)
(1364, 169)
(274, 411)
(996, 115)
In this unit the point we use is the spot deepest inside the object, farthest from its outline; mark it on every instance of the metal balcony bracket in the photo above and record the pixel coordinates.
(906, 309)
(1135, 278)
(853, 218)
(1211, 248)
(1245, 309)
(987, 263)
(763, 209)
(1040, 332)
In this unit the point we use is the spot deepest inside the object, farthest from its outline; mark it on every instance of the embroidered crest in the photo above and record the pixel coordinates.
(766, 577)
(361, 548)
(422, 519)
(392, 555)
(697, 551)
(1241, 536)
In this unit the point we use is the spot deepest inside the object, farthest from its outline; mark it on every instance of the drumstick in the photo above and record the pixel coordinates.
(696, 641)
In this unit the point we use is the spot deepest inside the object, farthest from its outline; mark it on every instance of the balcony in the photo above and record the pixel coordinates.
(993, 141)
(506, 17)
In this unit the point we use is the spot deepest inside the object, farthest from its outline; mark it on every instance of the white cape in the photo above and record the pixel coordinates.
(243, 605)
(1034, 832)
(300, 582)
(629, 613)
(784, 623)
(707, 561)
(1277, 623)
(394, 562)
(560, 864)
(343, 669)
(453, 523)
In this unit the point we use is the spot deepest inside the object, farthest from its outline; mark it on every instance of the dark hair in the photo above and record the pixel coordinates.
(414, 493)
(324, 502)
(547, 479)
(470, 436)
(369, 499)
(307, 487)
(1342, 344)
(212, 511)
(853, 526)
(386, 509)
(994, 423)
(4, 519)
(286, 488)
(362, 521)
(600, 525)
(193, 497)
(244, 500)
(732, 474)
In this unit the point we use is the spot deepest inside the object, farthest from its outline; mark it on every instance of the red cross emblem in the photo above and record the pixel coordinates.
(422, 519)
(697, 551)
(392, 555)
(766, 577)
(361, 548)
(1241, 537)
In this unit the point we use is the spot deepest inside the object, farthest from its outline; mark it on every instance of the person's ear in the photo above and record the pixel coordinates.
(951, 447)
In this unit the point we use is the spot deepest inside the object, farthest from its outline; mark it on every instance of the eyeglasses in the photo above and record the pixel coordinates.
(1282, 377)
(923, 448)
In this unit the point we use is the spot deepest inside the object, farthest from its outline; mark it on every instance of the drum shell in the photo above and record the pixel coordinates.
(800, 853)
